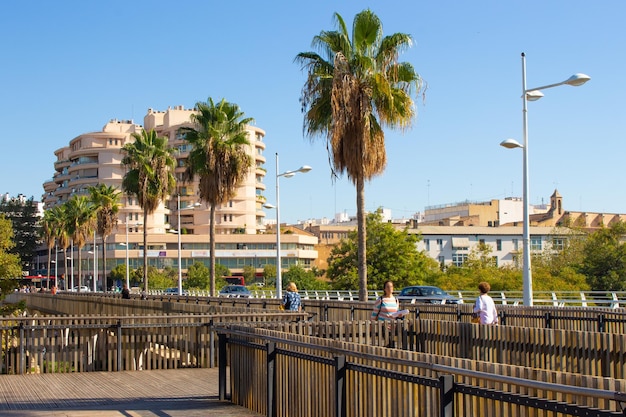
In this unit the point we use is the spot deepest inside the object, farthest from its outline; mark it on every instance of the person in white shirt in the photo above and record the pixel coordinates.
(485, 306)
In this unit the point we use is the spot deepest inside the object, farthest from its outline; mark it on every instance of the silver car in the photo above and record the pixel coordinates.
(235, 291)
(426, 294)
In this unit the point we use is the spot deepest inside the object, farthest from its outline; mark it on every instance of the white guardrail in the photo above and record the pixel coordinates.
(615, 299)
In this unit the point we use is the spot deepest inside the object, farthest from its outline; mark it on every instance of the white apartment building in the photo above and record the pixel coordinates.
(451, 245)
(94, 158)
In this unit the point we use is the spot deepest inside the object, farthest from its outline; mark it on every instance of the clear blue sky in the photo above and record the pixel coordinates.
(70, 66)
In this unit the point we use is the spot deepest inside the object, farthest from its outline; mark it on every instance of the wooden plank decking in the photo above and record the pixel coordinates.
(175, 393)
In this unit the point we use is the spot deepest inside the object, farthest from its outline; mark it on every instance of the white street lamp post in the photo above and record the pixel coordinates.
(179, 232)
(127, 272)
(532, 94)
(287, 174)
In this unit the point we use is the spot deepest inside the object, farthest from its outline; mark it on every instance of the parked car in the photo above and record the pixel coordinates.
(235, 291)
(83, 288)
(426, 294)
(174, 291)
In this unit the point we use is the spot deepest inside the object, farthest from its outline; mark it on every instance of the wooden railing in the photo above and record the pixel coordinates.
(96, 343)
(591, 319)
(274, 372)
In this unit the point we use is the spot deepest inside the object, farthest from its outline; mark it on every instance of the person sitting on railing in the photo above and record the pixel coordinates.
(485, 307)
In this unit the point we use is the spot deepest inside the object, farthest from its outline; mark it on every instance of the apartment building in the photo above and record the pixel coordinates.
(95, 158)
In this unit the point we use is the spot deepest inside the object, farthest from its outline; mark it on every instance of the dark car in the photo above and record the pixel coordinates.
(235, 291)
(426, 294)
(173, 291)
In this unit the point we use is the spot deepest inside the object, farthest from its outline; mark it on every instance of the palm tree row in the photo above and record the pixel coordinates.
(73, 222)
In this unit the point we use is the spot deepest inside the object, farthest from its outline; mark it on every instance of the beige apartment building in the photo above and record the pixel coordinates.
(94, 158)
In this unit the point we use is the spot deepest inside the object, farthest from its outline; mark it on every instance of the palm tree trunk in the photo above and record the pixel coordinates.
(104, 264)
(361, 237)
(145, 250)
(212, 251)
(80, 275)
(48, 270)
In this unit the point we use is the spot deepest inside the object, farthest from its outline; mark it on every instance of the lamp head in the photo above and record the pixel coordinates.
(304, 169)
(533, 95)
(577, 79)
(288, 174)
(511, 144)
(269, 206)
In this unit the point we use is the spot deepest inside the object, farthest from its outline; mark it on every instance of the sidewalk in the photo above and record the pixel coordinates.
(168, 393)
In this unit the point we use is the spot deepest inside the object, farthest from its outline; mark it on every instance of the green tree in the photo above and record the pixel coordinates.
(49, 230)
(80, 215)
(219, 158)
(106, 199)
(269, 275)
(150, 163)
(353, 90)
(391, 255)
(197, 276)
(118, 273)
(604, 262)
(304, 280)
(10, 268)
(26, 228)
(249, 273)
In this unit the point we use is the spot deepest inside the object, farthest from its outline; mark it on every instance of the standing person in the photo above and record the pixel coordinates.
(125, 292)
(485, 307)
(386, 304)
(291, 298)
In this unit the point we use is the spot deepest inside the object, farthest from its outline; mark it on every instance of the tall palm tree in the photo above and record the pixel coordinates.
(81, 217)
(59, 213)
(151, 163)
(106, 199)
(354, 89)
(219, 157)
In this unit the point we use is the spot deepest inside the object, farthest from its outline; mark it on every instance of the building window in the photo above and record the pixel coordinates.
(498, 244)
(442, 261)
(535, 243)
(558, 243)
(427, 244)
(458, 259)
(440, 244)
(481, 241)
(515, 244)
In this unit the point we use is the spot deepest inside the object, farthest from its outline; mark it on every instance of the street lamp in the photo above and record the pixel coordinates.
(95, 266)
(287, 174)
(532, 94)
(178, 232)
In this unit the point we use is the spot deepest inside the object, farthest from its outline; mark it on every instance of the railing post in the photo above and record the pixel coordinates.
(119, 344)
(340, 386)
(212, 344)
(22, 346)
(271, 379)
(446, 396)
(352, 313)
(601, 323)
(325, 312)
(502, 319)
(223, 341)
(548, 320)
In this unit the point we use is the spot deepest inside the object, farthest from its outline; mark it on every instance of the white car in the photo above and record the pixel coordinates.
(83, 288)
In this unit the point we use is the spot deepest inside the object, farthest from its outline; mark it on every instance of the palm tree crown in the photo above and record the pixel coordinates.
(353, 89)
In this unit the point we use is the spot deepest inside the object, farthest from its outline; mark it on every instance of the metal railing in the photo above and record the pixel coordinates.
(612, 299)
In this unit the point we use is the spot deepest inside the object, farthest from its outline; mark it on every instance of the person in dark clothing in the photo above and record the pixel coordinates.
(125, 292)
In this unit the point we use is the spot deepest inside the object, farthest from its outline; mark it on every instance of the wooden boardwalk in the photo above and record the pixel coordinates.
(172, 393)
